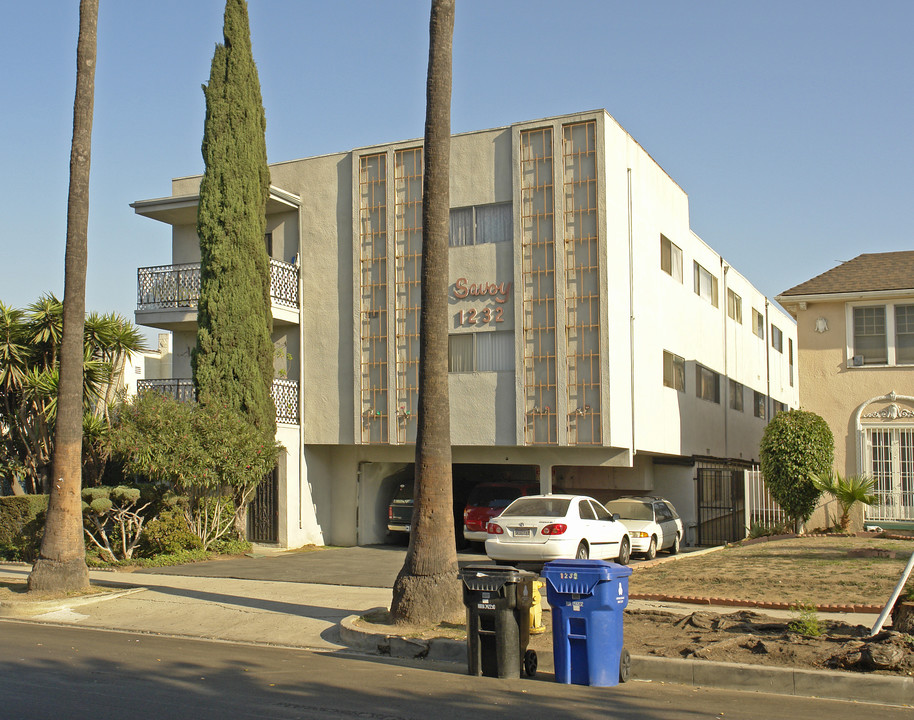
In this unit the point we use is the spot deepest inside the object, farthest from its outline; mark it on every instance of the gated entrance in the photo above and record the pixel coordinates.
(721, 506)
(263, 512)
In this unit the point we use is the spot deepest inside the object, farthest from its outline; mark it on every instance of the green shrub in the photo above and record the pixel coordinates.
(22, 526)
(807, 622)
(169, 534)
(796, 445)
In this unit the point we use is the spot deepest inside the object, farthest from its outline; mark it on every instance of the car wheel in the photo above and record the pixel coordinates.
(583, 553)
(651, 549)
(625, 552)
(674, 548)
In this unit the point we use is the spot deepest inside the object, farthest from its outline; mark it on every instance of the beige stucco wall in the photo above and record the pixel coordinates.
(833, 389)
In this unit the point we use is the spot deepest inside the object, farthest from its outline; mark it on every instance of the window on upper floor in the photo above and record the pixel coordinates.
(705, 284)
(736, 396)
(904, 334)
(777, 338)
(673, 371)
(707, 384)
(880, 334)
(758, 323)
(760, 403)
(481, 351)
(790, 359)
(670, 258)
(870, 337)
(481, 224)
(777, 407)
(734, 306)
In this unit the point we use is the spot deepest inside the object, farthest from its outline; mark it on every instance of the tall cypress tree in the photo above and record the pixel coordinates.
(233, 360)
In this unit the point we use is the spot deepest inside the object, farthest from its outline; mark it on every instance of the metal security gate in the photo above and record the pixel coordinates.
(721, 506)
(263, 512)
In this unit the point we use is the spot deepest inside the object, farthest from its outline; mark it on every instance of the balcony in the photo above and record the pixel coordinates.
(167, 295)
(284, 393)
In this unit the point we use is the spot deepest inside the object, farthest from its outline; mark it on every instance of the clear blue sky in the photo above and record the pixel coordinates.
(789, 123)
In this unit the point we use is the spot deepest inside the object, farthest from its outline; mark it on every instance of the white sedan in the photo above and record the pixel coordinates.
(652, 522)
(539, 528)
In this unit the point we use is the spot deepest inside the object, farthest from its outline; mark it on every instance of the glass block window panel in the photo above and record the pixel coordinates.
(373, 297)
(904, 334)
(408, 265)
(582, 282)
(870, 335)
(537, 216)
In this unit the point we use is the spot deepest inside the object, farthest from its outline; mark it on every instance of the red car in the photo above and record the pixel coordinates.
(487, 500)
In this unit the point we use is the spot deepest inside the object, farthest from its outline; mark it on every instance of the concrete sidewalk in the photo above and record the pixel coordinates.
(310, 616)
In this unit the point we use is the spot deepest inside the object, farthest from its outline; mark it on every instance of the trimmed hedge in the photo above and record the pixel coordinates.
(21, 526)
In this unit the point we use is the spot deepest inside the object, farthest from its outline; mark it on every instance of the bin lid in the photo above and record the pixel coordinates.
(492, 577)
(580, 577)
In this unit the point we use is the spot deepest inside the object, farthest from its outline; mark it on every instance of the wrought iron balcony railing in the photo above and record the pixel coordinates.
(284, 393)
(168, 287)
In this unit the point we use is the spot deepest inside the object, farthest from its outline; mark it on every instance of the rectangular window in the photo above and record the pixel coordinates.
(760, 402)
(758, 323)
(777, 407)
(736, 396)
(670, 258)
(707, 384)
(734, 306)
(870, 346)
(673, 371)
(777, 338)
(481, 224)
(705, 285)
(790, 359)
(481, 352)
(904, 334)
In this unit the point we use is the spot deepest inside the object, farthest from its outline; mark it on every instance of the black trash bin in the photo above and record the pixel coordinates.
(498, 600)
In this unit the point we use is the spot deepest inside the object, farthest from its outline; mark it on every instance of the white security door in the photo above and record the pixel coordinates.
(890, 460)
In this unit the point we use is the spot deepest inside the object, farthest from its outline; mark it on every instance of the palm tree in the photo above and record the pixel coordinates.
(847, 491)
(61, 564)
(427, 588)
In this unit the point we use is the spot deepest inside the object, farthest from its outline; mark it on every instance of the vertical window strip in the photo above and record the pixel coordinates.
(408, 264)
(373, 296)
(582, 283)
(538, 267)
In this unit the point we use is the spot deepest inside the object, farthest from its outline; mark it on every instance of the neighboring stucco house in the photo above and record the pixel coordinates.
(597, 344)
(855, 328)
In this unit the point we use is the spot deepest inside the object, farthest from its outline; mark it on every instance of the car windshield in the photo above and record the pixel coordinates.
(545, 506)
(631, 509)
(493, 496)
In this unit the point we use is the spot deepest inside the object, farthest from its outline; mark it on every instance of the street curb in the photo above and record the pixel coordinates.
(30, 609)
(799, 682)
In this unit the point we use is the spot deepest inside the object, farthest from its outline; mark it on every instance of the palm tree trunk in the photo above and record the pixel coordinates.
(427, 588)
(61, 564)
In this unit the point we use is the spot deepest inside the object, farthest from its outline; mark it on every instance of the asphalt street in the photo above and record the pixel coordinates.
(83, 674)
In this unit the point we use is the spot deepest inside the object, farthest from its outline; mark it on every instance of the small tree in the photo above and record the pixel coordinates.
(796, 445)
(847, 492)
(114, 519)
(211, 454)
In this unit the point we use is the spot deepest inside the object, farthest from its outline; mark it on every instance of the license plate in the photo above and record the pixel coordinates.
(522, 532)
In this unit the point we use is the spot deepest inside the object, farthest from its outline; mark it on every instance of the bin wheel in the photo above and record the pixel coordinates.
(625, 666)
(530, 663)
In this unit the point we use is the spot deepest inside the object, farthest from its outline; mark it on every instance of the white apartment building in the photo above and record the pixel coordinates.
(597, 344)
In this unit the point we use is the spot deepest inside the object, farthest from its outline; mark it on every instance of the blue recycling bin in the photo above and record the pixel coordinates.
(588, 598)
